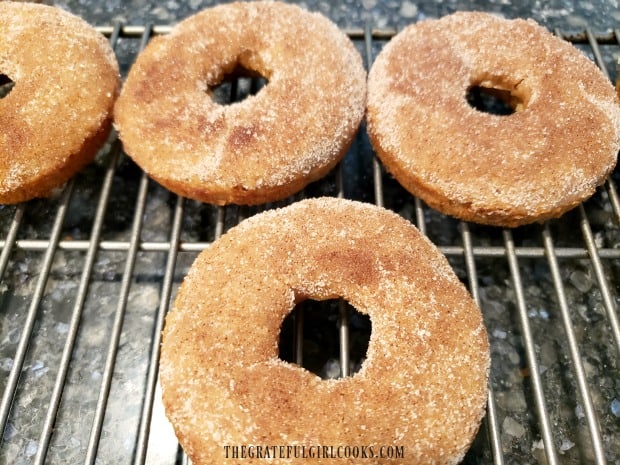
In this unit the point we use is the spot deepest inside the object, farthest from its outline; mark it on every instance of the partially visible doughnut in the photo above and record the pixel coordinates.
(618, 78)
(270, 145)
(59, 111)
(422, 385)
(542, 160)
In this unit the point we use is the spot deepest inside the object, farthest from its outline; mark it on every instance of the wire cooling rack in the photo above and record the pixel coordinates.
(87, 276)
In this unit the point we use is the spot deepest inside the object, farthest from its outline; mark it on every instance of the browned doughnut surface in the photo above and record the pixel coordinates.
(59, 111)
(422, 386)
(532, 165)
(270, 145)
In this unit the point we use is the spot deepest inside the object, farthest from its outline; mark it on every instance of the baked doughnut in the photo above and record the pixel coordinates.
(618, 78)
(266, 147)
(422, 386)
(560, 143)
(59, 111)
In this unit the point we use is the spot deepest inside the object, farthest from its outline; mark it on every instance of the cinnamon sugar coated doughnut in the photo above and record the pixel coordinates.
(58, 113)
(618, 78)
(560, 143)
(422, 385)
(266, 147)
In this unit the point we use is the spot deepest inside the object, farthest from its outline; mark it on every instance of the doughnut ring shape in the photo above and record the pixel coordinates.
(422, 386)
(59, 111)
(266, 147)
(534, 164)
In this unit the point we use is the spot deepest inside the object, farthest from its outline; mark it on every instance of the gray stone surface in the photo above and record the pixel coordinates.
(518, 423)
(598, 14)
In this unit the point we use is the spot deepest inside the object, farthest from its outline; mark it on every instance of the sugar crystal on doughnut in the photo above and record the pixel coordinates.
(534, 164)
(422, 385)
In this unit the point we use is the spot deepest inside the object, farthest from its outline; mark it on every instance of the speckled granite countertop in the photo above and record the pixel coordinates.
(600, 15)
(102, 405)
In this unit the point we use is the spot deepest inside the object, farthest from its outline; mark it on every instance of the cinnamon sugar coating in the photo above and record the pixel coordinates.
(59, 111)
(266, 147)
(422, 386)
(534, 164)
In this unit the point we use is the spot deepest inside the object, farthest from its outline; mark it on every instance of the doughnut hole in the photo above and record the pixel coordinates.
(239, 80)
(6, 85)
(497, 96)
(310, 337)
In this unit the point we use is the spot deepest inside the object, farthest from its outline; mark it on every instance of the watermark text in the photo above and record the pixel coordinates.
(312, 452)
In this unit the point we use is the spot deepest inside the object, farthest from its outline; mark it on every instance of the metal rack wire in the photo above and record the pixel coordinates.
(542, 289)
